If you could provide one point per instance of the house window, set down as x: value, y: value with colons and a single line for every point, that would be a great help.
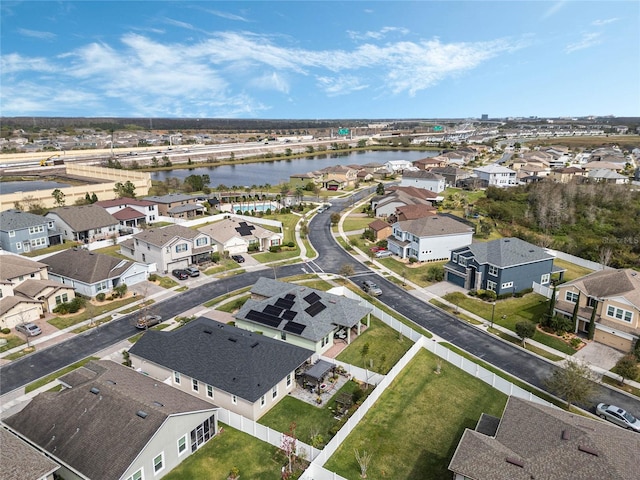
x: 194, y: 385
x: 275, y: 241
x: 571, y: 297
x: 34, y: 230
x: 507, y: 285
x: 288, y: 380
x: 491, y: 285
x: 274, y: 391
x: 283, y: 335
x: 263, y: 401
x: 136, y: 476
x: 50, y: 225
x: 454, y: 257
x: 158, y: 463
x: 544, y: 279
x: 176, y: 378
x: 209, y: 391
x: 37, y: 242
x: 202, y: 241
x: 619, y: 314
x: 181, y: 247
x: 182, y: 445
x: 592, y: 302
x: 18, y: 246
x: 462, y: 261
x: 12, y: 233
x: 234, y: 399
x: 493, y: 270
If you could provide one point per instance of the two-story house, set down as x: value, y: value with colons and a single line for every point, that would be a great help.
x: 21, y: 232
x: 177, y: 205
x: 394, y: 197
x: 497, y: 175
x: 131, y: 212
x: 608, y: 298
x: 430, y: 162
x: 339, y: 177
x: 424, y: 179
x: 506, y: 265
x: 84, y: 223
x: 170, y: 247
x: 429, y: 238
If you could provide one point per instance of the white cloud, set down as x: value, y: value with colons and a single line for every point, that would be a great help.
x: 341, y: 85
x: 227, y: 15
x: 37, y: 34
x: 588, y: 40
x: 14, y: 63
x: 553, y: 9
x: 271, y: 81
x: 378, y: 35
x: 600, y: 23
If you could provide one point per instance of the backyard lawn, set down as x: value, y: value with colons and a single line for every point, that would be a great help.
x: 415, y: 273
x: 91, y: 312
x: 573, y: 271
x: 415, y: 426
x: 289, y: 222
x: 353, y: 222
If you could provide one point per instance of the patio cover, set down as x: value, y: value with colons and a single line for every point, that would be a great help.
x: 319, y: 370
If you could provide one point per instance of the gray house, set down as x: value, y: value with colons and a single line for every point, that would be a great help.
x: 507, y: 265
x: 21, y: 232
x: 246, y: 373
x: 84, y: 223
x: 113, y: 423
x: 423, y: 179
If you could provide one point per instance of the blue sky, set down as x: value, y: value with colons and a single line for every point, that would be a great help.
x: 330, y: 59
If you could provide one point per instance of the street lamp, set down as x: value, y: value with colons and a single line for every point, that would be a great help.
x: 493, y: 313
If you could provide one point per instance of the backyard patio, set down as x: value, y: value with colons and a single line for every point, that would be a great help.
x: 318, y: 383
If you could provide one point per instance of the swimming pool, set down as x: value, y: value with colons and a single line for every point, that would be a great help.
x: 257, y: 206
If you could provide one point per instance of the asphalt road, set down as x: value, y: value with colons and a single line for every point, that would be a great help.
x: 332, y: 258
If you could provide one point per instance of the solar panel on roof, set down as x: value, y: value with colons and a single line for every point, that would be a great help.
x: 273, y: 310
x: 245, y: 229
x: 263, y: 318
x: 290, y: 296
x: 294, y: 327
x: 284, y: 303
x: 315, y: 308
x: 289, y: 314
x: 313, y: 297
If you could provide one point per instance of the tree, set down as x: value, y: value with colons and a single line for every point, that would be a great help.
x: 576, y: 309
x: 94, y: 197
x: 126, y: 190
x: 364, y: 351
x: 363, y: 459
x: 552, y: 306
x: 574, y: 382
x: 435, y: 273
x: 592, y: 322
x: 289, y: 446
x: 346, y: 270
x: 380, y: 189
x: 335, y: 218
x: 58, y: 196
x: 524, y: 330
x: 627, y: 368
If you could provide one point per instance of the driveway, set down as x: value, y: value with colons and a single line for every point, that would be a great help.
x: 440, y: 289
x: 599, y: 355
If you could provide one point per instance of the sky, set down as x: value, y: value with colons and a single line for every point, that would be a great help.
x: 320, y: 60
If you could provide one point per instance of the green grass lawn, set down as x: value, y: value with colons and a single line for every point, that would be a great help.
x: 13, y: 341
x: 137, y: 336
x: 114, y: 251
x: 87, y: 313
x: 317, y: 284
x: 573, y: 271
x: 386, y: 347
x: 256, y: 460
x: 416, y: 273
x: 234, y: 305
x: 415, y: 426
x: 284, y: 254
x: 224, y: 265
x: 353, y: 222
x: 55, y: 248
x: 50, y: 378
x: 167, y: 282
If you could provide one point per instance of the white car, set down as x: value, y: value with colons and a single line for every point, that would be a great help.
x: 29, y: 329
x: 618, y: 416
x: 383, y: 254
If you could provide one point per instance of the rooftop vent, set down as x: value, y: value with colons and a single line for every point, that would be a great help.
x: 254, y: 345
x: 588, y: 450
x: 142, y: 414
x: 111, y: 382
x: 234, y: 340
x: 566, y: 435
x: 208, y: 332
x: 95, y: 390
x: 158, y: 404
x: 515, y: 461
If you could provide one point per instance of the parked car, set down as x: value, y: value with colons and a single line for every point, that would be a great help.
x: 371, y: 288
x: 238, y: 258
x: 192, y: 271
x: 147, y: 321
x: 378, y: 249
x: 618, y: 416
x: 383, y: 254
x: 29, y: 329
x: 180, y: 274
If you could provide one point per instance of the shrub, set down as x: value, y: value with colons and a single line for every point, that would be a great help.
x: 357, y: 395
x: 575, y: 342
x: 487, y: 295
x: 215, y: 257
x: 5, y: 331
x: 120, y: 291
x: 413, y: 260
x: 100, y: 297
x: 275, y: 248
x: 253, y: 247
x: 153, y: 277
x: 502, y: 296
x: 561, y: 325
x: 76, y: 304
x: 291, y: 244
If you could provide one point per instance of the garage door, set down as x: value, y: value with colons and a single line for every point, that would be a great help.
x: 180, y: 264
x: 455, y: 279
x: 135, y: 278
x: 613, y: 341
x: 237, y: 249
x: 30, y: 315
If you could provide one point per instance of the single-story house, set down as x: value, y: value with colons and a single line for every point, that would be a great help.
x: 19, y: 459
x: 300, y: 315
x: 177, y: 205
x: 395, y: 197
x: 246, y: 373
x: 430, y: 162
x: 506, y: 265
x: 21, y: 232
x: 609, y: 298
x: 84, y: 223
x: 235, y: 235
x: 381, y: 230
x: 413, y: 212
x: 113, y: 423
x: 604, y: 175
x: 534, y: 441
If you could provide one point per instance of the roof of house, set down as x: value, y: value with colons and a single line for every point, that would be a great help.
x: 434, y: 225
x: 94, y: 426
x: 164, y: 235
x: 606, y: 174
x: 543, y: 442
x: 228, y: 358
x: 229, y: 228
x: 413, y: 212
x: 124, y: 201
x: 127, y: 213
x: 21, y: 461
x: 598, y: 165
x: 32, y: 287
x: 420, y: 193
x: 303, y: 311
x: 86, y: 266
x: 609, y: 284
x: 188, y: 207
x: 84, y: 217
x: 493, y: 168
x: 7, y: 303
x: 431, y: 160
x: 506, y: 252
x: 422, y: 174
x: 14, y: 266
x: 171, y: 198
x: 17, y: 220
x: 569, y: 170
x: 378, y: 225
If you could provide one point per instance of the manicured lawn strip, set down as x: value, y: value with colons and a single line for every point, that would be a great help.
x: 233, y: 305
x: 452, y: 310
x: 413, y: 274
x: 114, y: 251
x: 222, y: 298
x: 94, y: 311
x: 144, y: 304
x: 310, y: 420
x: 50, y: 378
x: 55, y: 248
x: 311, y: 253
x: 137, y: 336
x: 284, y: 254
x: 386, y: 347
x: 167, y: 282
x: 416, y: 425
x: 13, y: 341
x: 20, y: 353
x: 317, y: 284
x: 256, y: 459
x: 626, y: 387
x: 224, y: 265
x: 356, y: 223
x: 182, y: 288
x: 573, y: 271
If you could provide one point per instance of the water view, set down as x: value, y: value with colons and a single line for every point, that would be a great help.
x: 30, y: 186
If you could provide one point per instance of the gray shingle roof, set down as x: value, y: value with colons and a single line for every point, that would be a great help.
x: 84, y: 217
x: 21, y: 461
x: 611, y: 283
x: 171, y: 198
x: 506, y: 252
x: 230, y: 228
x: 434, y: 225
x: 423, y: 174
x: 32, y: 287
x: 17, y: 220
x: 532, y: 434
x: 14, y: 266
x: 100, y: 434
x: 228, y: 358
x: 86, y: 266
x: 164, y: 235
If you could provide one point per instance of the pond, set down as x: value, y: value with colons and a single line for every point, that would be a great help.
x: 30, y: 186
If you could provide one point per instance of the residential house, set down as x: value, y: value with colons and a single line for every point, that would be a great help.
x: 381, y: 230
x: 431, y: 162
x: 497, y: 175
x: 609, y: 298
x: 84, y: 223
x: 458, y: 157
x: 300, y: 315
x: 538, y: 158
x: 506, y: 265
x: 21, y: 232
x: 303, y: 179
x: 567, y: 174
x: 614, y: 167
x: 452, y: 175
x: 177, y: 205
x: 385, y: 205
x: 429, y: 238
x: 16, y: 269
x: 607, y: 176
x: 339, y: 177
x: 534, y: 171
x: 91, y: 273
x: 49, y: 292
x: 534, y: 441
x: 423, y: 179
x: 131, y: 212
x: 364, y: 176
x: 20, y: 460
x: 113, y: 423
x: 398, y: 166
x: 373, y: 168
x: 235, y: 236
x: 246, y: 373
x: 170, y: 247
x: 413, y: 212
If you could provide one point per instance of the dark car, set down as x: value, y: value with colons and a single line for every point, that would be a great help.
x: 238, y: 258
x: 147, y: 321
x: 180, y: 274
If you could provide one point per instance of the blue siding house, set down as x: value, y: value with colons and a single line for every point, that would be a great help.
x: 21, y: 232
x: 507, y: 265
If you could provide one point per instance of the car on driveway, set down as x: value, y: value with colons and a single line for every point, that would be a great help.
x: 238, y: 258
x: 29, y: 329
x: 147, y: 321
x: 377, y: 249
x: 180, y: 274
x: 383, y: 254
x: 618, y: 416
x: 371, y: 288
x: 192, y: 271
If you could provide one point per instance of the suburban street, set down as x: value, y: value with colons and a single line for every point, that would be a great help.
x: 331, y: 257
